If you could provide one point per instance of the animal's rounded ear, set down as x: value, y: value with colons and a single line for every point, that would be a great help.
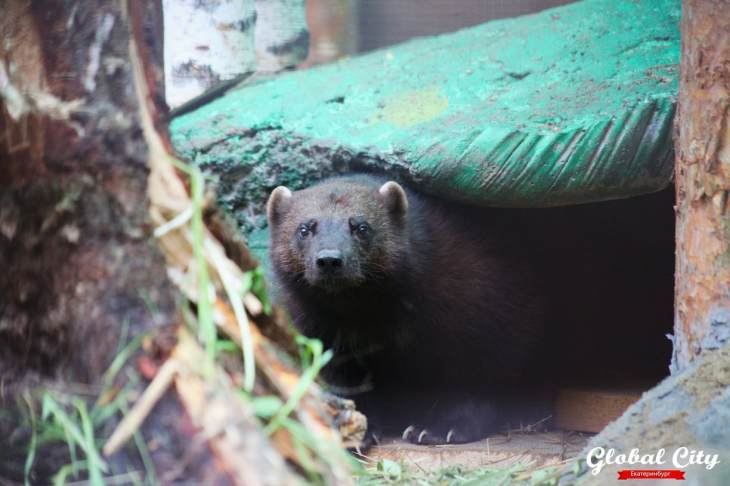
x: 394, y: 198
x: 278, y: 203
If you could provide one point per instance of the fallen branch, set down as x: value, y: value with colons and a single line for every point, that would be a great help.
x: 198, y: 264
x: 133, y: 420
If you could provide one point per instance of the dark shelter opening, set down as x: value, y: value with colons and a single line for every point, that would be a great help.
x: 606, y: 274
x: 609, y: 277
x: 457, y: 320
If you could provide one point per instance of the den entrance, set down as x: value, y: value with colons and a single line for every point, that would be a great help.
x: 604, y: 237
x: 610, y: 270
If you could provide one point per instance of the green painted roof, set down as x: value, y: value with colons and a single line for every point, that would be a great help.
x: 574, y: 104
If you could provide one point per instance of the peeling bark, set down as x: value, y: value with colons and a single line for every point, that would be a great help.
x: 215, y: 43
x: 79, y: 264
x: 89, y: 172
x: 702, y: 313
x: 77, y: 256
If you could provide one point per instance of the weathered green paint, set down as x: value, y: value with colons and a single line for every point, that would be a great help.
x: 570, y: 105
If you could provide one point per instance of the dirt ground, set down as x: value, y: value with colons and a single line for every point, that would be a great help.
x: 498, y: 451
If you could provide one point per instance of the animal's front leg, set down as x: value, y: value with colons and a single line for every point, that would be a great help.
x: 452, y: 420
x: 424, y: 418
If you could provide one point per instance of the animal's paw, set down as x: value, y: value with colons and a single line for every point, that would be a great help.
x: 454, y: 423
x: 371, y: 439
x: 417, y: 434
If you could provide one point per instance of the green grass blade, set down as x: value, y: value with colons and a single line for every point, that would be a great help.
x: 71, y: 451
x: 95, y: 463
x: 59, y: 479
x: 206, y: 327
x: 30, y: 458
x: 52, y: 408
x: 319, y: 359
x: 236, y: 300
x: 120, y: 359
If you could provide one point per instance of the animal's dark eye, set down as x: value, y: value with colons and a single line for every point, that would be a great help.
x: 359, y: 227
x: 304, y: 231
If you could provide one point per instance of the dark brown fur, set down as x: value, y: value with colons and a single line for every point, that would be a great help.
x: 432, y: 312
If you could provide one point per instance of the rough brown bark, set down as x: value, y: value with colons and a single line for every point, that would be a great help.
x: 702, y: 315
x: 78, y: 260
x: 687, y: 409
x: 77, y: 256
x: 88, y: 172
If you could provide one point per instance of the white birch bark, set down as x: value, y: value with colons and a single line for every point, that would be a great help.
x: 206, y: 42
x: 282, y: 38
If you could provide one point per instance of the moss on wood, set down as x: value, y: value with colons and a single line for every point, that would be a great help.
x: 570, y: 105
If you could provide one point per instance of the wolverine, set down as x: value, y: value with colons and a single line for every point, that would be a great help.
x: 431, y: 307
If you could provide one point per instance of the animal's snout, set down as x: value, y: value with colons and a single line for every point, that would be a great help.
x: 329, y: 261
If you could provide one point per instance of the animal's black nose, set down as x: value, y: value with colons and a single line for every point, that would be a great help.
x: 329, y: 261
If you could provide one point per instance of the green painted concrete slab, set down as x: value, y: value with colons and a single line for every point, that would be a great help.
x: 574, y: 104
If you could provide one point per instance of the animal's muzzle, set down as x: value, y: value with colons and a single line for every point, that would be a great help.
x: 330, y: 262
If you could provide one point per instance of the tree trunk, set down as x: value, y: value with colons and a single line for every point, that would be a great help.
x: 333, y: 30
x: 77, y: 256
x: 702, y: 312
x: 206, y: 43
x: 80, y: 268
x: 88, y: 173
x: 282, y: 37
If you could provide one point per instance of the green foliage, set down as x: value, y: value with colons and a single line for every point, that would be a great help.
x: 266, y: 406
x: 122, y: 355
x: 66, y: 417
x: 269, y: 409
x: 255, y: 282
x: 389, y: 469
x: 207, y: 332
x: 76, y: 426
x: 33, y: 443
x: 313, y: 360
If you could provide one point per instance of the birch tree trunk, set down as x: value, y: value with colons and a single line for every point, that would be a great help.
x: 282, y: 38
x: 702, y: 312
x: 206, y: 43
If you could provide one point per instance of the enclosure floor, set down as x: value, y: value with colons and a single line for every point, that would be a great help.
x: 498, y: 451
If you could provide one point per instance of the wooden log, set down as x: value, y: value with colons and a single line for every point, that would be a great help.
x: 702, y: 311
x: 79, y: 261
x: 81, y: 125
x: 571, y: 105
x: 689, y: 409
x: 590, y: 410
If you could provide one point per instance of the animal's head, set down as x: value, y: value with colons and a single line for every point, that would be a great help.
x: 338, y: 234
